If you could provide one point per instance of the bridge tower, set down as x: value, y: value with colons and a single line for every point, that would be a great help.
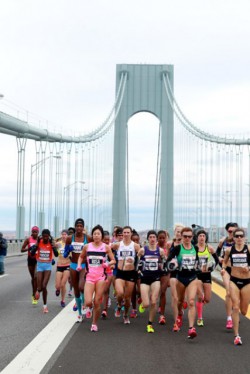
x: 145, y: 92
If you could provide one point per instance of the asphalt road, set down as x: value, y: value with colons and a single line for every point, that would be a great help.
x: 20, y: 321
x: 118, y: 347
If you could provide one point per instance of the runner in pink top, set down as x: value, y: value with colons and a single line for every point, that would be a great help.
x: 94, y: 255
x: 96, y: 263
x: 31, y: 261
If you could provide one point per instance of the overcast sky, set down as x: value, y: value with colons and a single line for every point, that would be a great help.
x: 58, y: 61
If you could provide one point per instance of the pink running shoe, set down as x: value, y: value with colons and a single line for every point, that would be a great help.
x: 162, y: 320
x: 89, y: 314
x: 133, y: 313
x: 179, y: 320
x: 104, y: 314
x: 94, y: 328
x: 229, y: 324
x: 192, y: 333
x: 237, y: 340
x: 118, y: 312
x: 184, y: 304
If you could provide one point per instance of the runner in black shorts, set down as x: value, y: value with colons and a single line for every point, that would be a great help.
x: 150, y: 258
x: 31, y: 262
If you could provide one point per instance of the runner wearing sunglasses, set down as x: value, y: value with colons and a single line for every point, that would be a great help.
x: 239, y: 255
x: 226, y: 243
x: 187, y: 258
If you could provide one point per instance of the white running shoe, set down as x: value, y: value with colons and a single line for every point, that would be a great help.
x: 126, y: 320
x: 79, y: 318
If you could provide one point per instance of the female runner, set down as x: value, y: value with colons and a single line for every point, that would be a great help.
x: 31, y: 261
x: 74, y: 245
x: 62, y: 269
x: 150, y: 274
x: 239, y: 254
x: 94, y: 255
x: 44, y: 250
x: 126, y: 275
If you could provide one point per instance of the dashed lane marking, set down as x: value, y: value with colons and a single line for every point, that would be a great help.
x: 37, y: 353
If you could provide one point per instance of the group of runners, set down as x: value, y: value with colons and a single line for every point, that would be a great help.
x: 140, y: 275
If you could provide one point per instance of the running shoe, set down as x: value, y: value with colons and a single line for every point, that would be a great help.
x: 176, y: 328
x: 200, y: 322
x: 63, y: 304
x: 237, y: 340
x: 126, y: 320
x: 142, y: 310
x: 133, y: 313
x: 94, y: 328
x: 104, y: 314
x: 192, y: 333
x: 88, y: 313
x: 75, y: 307
x: 37, y: 295
x: 229, y: 324
x: 150, y: 328
x: 57, y: 292
x: 162, y: 320
x: 70, y: 293
x: 184, y: 304
x: 179, y: 320
x: 34, y: 301
x: 79, y: 318
x: 109, y: 302
x: 84, y: 311
x: 45, y: 309
x: 118, y: 312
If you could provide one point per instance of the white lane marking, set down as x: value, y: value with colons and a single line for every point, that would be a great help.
x: 36, y: 354
x: 4, y: 275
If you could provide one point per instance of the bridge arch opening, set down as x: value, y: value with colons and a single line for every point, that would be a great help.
x: 143, y: 133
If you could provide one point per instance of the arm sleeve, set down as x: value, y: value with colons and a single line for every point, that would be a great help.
x: 174, y: 253
x: 68, y: 248
x: 216, y: 259
x: 55, y: 251
x: 218, y: 250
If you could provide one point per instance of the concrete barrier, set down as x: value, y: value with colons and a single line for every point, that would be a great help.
x: 14, y: 247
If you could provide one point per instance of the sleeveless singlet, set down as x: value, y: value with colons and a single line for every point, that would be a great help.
x: 126, y: 252
x: 204, y: 257
x: 96, y: 257
x: 77, y: 246
x: 44, y: 252
x: 151, y: 262
x: 240, y: 258
x: 225, y: 246
x: 187, y: 259
x: 61, y: 246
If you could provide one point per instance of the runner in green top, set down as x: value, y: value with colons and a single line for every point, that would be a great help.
x: 187, y: 258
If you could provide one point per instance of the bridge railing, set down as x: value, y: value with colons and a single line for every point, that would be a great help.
x: 14, y: 246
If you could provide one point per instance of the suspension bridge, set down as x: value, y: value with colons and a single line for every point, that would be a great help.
x: 200, y: 177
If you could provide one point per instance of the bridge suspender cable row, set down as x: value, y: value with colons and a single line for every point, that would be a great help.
x: 200, y: 177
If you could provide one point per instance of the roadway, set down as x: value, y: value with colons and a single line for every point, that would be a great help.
x: 30, y: 341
